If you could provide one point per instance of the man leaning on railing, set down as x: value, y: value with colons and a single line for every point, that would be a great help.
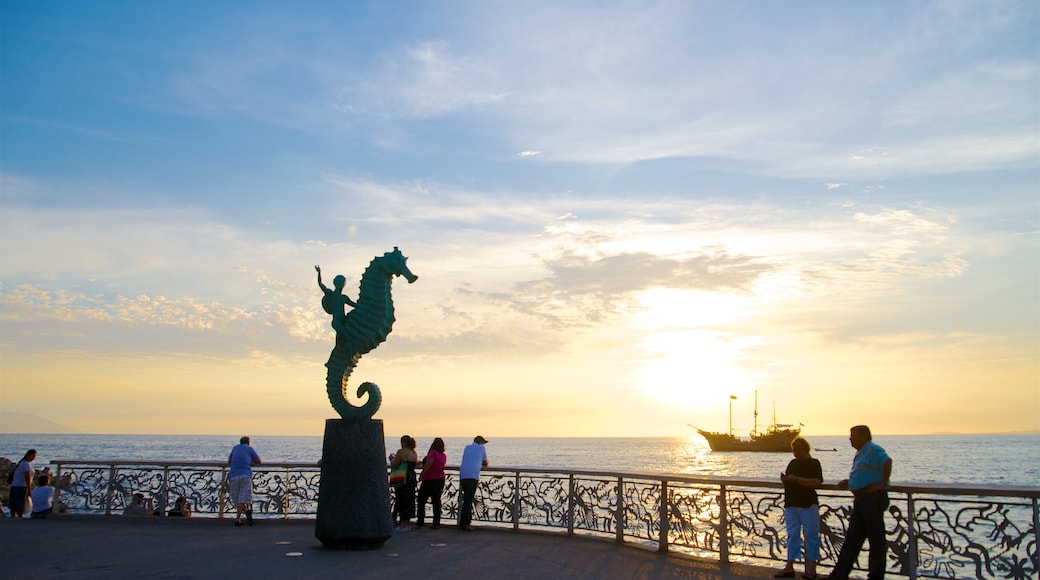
x: 868, y: 482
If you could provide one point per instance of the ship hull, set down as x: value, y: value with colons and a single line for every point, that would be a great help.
x: 774, y: 442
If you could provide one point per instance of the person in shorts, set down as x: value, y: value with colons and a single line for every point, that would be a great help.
x: 240, y: 479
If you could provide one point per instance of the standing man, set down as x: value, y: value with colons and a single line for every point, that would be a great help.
x: 868, y: 482
x: 240, y: 479
x: 474, y: 458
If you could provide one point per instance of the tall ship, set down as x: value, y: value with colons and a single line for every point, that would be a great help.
x: 776, y: 438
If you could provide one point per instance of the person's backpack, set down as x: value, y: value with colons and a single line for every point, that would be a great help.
x: 10, y: 474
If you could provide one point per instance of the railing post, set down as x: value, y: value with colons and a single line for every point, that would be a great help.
x: 111, y: 489
x: 570, y: 505
x: 285, y: 503
x: 57, y: 491
x: 911, y: 535
x: 220, y: 493
x: 516, y: 501
x: 1036, y: 530
x: 164, y: 492
x: 723, y: 526
x: 662, y: 513
x: 620, y: 515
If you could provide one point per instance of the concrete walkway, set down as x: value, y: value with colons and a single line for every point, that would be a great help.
x: 85, y: 547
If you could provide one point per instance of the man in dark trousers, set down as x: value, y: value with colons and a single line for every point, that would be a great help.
x: 868, y: 482
x: 474, y: 458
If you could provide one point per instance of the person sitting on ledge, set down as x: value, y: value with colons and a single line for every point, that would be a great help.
x: 181, y: 509
x: 140, y: 507
x: 42, y: 497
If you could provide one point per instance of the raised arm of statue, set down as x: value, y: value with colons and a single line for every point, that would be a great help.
x: 320, y: 285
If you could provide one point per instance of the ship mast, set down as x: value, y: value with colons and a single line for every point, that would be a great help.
x: 755, y: 432
x: 731, y: 397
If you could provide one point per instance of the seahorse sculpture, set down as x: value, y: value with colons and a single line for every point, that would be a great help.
x: 361, y: 330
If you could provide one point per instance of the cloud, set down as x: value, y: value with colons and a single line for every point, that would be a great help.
x: 617, y: 84
x: 521, y: 274
x: 581, y: 290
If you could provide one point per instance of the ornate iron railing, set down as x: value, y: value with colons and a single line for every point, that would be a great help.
x: 934, y: 531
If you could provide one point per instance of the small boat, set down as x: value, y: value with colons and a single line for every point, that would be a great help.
x: 776, y: 438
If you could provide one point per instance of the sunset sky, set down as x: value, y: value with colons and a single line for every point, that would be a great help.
x: 620, y: 213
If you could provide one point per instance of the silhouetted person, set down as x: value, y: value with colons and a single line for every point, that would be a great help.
x: 42, y: 497
x: 868, y: 482
x: 474, y: 458
x: 431, y: 483
x: 404, y: 495
x: 240, y: 479
x: 181, y: 509
x: 140, y: 507
x: 21, y: 484
x: 802, y: 509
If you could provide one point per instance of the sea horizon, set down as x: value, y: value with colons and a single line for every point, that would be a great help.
x: 976, y: 459
x: 735, y: 432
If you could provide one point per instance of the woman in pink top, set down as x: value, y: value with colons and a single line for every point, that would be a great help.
x: 432, y: 483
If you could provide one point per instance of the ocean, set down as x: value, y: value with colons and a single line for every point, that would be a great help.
x: 1003, y: 460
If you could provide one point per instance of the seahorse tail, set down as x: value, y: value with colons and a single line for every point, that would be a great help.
x: 375, y: 399
x: 341, y: 364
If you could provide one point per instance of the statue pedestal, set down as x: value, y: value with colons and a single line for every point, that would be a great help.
x: 353, y: 495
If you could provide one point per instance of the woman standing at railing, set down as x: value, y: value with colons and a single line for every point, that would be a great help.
x: 432, y: 484
x: 21, y: 483
x: 802, y: 509
x: 404, y: 495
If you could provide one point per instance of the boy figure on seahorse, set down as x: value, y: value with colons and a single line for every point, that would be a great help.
x: 335, y: 303
x: 362, y: 329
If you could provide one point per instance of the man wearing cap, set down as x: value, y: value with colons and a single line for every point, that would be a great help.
x: 474, y: 458
x: 868, y: 482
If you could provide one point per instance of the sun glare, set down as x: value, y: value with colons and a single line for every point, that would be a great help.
x: 689, y: 363
x: 694, y: 368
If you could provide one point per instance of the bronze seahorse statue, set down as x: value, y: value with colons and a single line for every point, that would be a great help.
x: 362, y: 329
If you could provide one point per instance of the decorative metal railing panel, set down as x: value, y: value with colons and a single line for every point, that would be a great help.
x: 935, y: 531
x: 693, y: 516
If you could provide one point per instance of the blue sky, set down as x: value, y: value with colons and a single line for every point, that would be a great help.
x: 621, y: 213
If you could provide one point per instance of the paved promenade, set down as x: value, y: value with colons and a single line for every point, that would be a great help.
x: 85, y: 547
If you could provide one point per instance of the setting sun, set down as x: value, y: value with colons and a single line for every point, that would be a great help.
x: 694, y: 368
x: 689, y: 364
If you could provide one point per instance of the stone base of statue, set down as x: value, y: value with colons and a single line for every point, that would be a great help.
x: 353, y: 495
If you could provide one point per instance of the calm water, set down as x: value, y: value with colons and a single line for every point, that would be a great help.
x: 961, y: 459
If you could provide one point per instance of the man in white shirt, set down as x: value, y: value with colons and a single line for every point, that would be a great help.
x: 42, y: 497
x: 474, y: 458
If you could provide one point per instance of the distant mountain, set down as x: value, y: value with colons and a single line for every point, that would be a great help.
x: 11, y: 422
